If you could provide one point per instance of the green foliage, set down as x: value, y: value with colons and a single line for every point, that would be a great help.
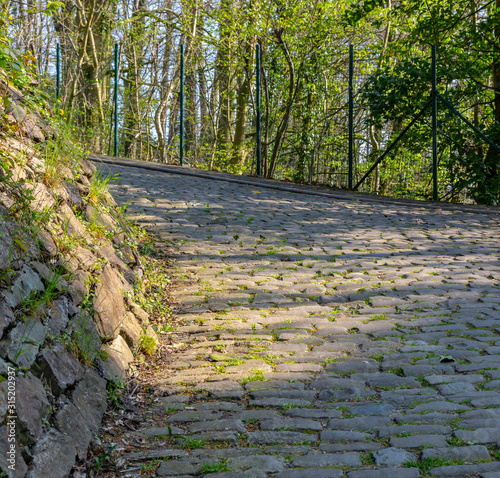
x: 115, y: 390
x: 148, y: 345
x: 189, y: 443
x: 35, y: 301
x: 99, y: 186
x: 429, y: 463
x: 220, y: 466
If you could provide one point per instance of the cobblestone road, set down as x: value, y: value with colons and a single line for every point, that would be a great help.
x: 326, y: 338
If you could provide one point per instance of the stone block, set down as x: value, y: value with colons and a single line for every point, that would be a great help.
x: 59, y: 368
x: 74, y: 199
x: 101, y: 218
x: 79, y: 288
x: 108, y: 303
x: 89, y: 397
x: 71, y: 422
x: 7, y: 251
x: 462, y: 453
x: 53, y: 456
x: 11, y: 457
x: 46, y: 241
x: 6, y: 317
x: 26, y: 282
x: 32, y: 406
x: 139, y: 313
x: 109, y: 253
x: 328, y: 459
x: 88, y: 167
x: 131, y: 331
x: 43, y: 198
x: 23, y: 342
x: 284, y: 437
x: 117, y: 364
x: 58, y: 315
x: 393, y: 457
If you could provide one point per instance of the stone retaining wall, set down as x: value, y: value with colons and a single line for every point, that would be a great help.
x: 68, y: 321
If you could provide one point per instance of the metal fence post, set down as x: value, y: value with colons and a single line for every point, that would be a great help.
x: 257, y: 101
x: 181, y: 119
x: 58, y: 70
x: 117, y: 62
x: 434, y: 127
x: 351, y: 115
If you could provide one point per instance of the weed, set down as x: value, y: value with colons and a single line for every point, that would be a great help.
x: 258, y: 376
x: 428, y: 463
x: 99, y: 187
x: 192, y: 444
x: 150, y: 466
x: 220, y: 466
x: 114, y: 392
x: 148, y: 345
x: 367, y: 459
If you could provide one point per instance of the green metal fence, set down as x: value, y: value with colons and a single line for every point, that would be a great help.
x: 341, y: 167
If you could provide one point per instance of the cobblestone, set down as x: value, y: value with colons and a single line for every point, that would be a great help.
x: 353, y: 327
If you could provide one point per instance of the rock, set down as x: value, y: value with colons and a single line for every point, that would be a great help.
x: 4, y: 404
x: 59, y: 368
x: 154, y: 454
x: 131, y: 331
x: 130, y: 277
x: 89, y: 398
x: 47, y: 243
x: 380, y: 410
x: 58, y: 315
x: 139, y: 313
x: 16, y: 113
x: 109, y: 307
x: 49, y: 276
x: 66, y: 173
x: 94, y: 216
x: 23, y: 342
x: 43, y: 198
x: 84, y: 332
x: 26, y: 282
x: 32, y: 406
x: 82, y: 189
x: 60, y: 193
x: 128, y: 255
x: 70, y: 421
x: 150, y: 332
x: 257, y: 463
x: 71, y: 226
x: 87, y: 167
x: 284, y: 437
x: 118, y: 361
x: 69, y: 262
x: 74, y: 199
x: 6, y: 317
x: 126, y: 287
x: 328, y: 459
x: 32, y: 129
x: 466, y: 454
x: 4, y: 368
x: 393, y: 456
x: 7, y: 251
x: 11, y: 457
x: 80, y: 419
x: 53, y: 456
x: 86, y: 258
x: 118, y: 239
x: 109, y: 253
x: 79, y: 287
